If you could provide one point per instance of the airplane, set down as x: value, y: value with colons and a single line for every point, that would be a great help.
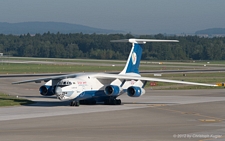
x: 92, y: 88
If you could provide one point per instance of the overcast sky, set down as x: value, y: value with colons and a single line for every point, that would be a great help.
x: 145, y: 16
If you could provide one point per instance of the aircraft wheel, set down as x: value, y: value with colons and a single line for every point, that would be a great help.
x: 83, y: 102
x: 118, y: 102
x: 77, y: 103
x: 72, y: 103
x: 114, y: 102
x: 93, y: 102
x: 106, y: 102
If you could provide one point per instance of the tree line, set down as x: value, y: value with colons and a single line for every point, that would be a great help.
x: 98, y: 46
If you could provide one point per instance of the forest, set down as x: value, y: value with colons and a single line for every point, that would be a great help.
x: 98, y: 46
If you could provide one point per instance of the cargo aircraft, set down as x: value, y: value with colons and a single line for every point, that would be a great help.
x: 92, y: 88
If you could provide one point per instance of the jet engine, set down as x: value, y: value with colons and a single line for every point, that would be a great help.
x: 134, y: 91
x: 46, y: 90
x: 112, y: 90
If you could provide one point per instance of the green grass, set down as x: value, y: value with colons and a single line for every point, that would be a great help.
x: 12, y: 68
x: 62, y: 60
x: 17, y: 68
x: 6, y: 100
x: 164, y: 62
x: 93, y: 65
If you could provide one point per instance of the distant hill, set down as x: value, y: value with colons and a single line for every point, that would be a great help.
x: 211, y: 31
x: 53, y: 27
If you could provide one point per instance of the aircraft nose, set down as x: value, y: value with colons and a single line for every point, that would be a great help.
x: 58, y: 91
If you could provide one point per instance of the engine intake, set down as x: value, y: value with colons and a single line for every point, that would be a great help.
x: 46, y: 90
x: 112, y: 90
x: 134, y: 91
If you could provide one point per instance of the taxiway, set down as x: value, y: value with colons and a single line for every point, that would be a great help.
x: 158, y: 115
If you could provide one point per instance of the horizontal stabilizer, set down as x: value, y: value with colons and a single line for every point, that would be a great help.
x: 142, y: 41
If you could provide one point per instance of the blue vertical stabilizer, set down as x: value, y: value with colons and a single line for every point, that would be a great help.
x: 133, y: 61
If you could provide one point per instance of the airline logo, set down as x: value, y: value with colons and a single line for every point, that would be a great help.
x: 134, y: 58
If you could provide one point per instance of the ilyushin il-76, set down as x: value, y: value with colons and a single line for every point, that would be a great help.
x: 92, y: 88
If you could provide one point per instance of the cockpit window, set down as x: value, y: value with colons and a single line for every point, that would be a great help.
x: 64, y: 83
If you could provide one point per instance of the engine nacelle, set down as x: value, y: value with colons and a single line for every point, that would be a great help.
x: 134, y: 91
x: 112, y: 90
x: 46, y: 90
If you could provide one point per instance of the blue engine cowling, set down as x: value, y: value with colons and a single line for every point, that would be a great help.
x: 112, y: 90
x: 134, y: 91
x: 46, y: 90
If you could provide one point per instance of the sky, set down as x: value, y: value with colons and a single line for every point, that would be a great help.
x: 134, y: 16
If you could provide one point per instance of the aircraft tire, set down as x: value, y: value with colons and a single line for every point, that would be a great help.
x: 114, y: 102
x: 118, y: 102
x: 84, y: 102
x: 107, y: 102
x: 93, y: 102
x: 77, y: 103
x: 72, y: 103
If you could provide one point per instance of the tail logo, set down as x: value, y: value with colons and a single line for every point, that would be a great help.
x: 134, y: 58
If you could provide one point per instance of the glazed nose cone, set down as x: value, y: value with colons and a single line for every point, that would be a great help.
x: 58, y: 91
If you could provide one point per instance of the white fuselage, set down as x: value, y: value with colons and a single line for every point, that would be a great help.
x: 74, y: 87
x: 71, y: 88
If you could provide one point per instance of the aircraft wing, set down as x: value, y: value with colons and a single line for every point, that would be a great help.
x: 46, y: 79
x: 113, y: 76
x: 129, y: 77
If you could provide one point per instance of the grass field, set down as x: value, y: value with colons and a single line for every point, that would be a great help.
x: 6, y: 100
x: 62, y: 60
x: 168, y: 62
x: 16, y: 68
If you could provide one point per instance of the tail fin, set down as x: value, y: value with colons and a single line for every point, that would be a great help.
x: 133, y: 61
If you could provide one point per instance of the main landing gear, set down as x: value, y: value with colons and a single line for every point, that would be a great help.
x: 75, y: 103
x: 84, y: 102
x: 88, y: 102
x: 112, y: 102
x: 93, y: 102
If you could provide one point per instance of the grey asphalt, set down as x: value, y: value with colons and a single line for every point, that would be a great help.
x: 159, y: 115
